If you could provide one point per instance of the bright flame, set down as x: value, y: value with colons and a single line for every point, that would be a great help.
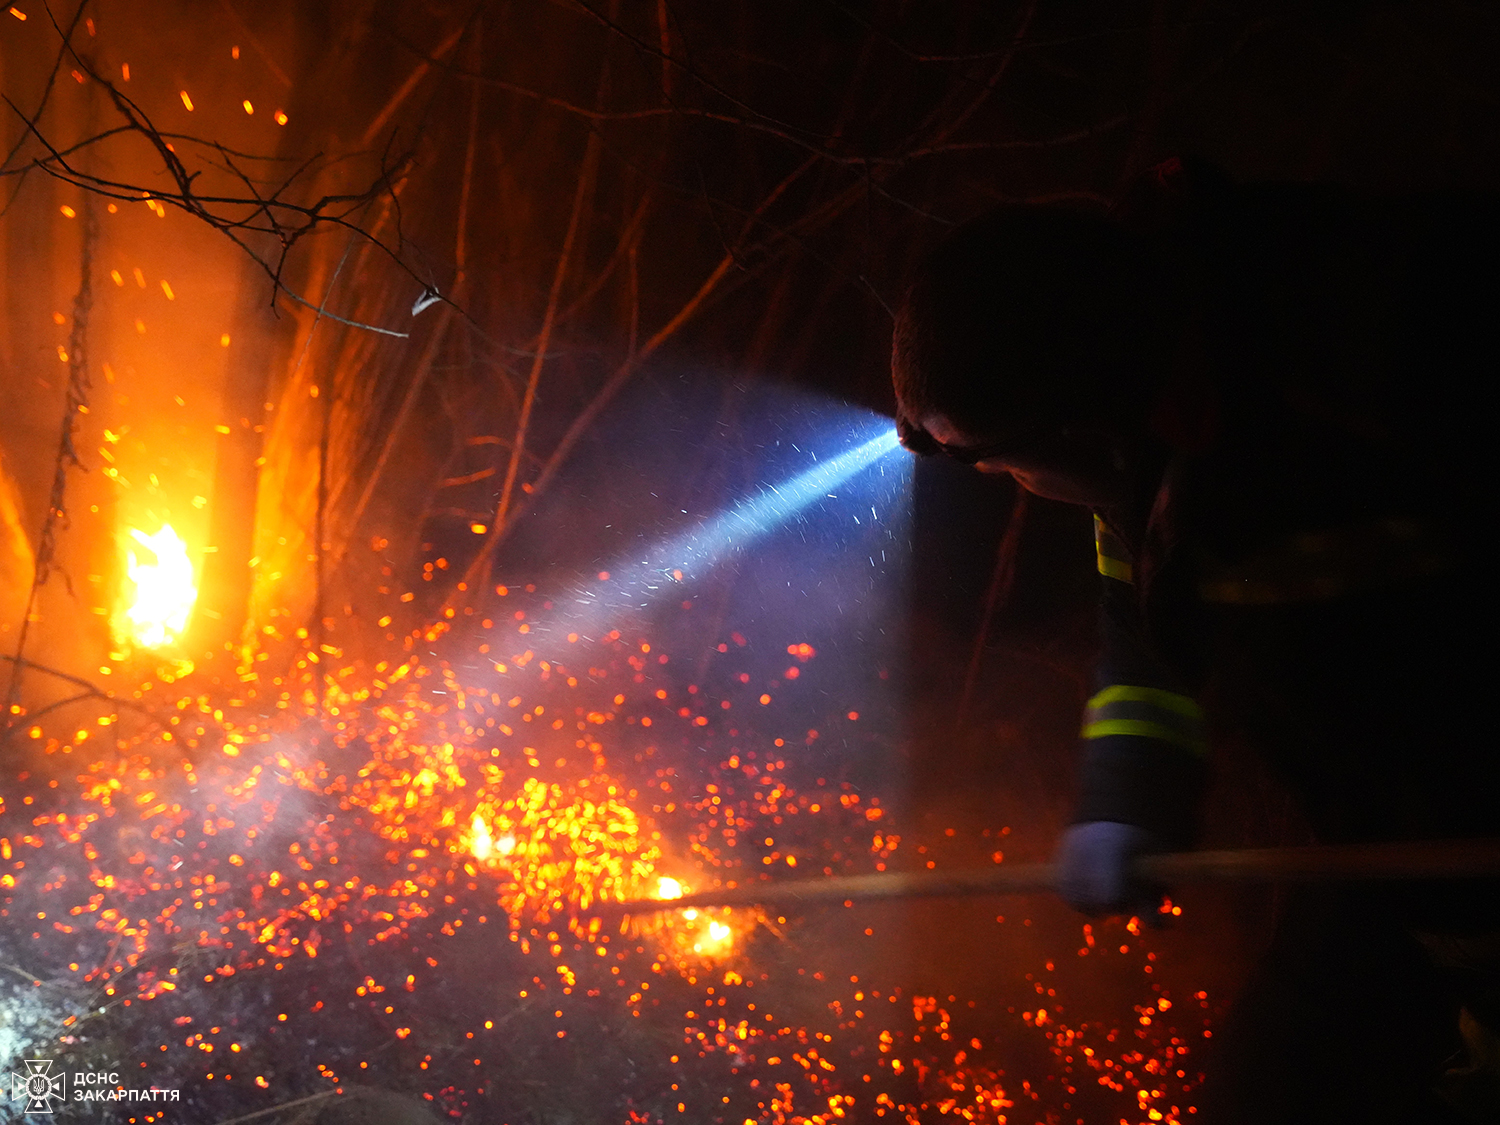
x: 164, y: 589
x: 668, y: 888
x: 715, y: 941
x: 697, y: 932
x: 484, y: 844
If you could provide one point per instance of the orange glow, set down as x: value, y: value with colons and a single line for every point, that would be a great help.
x: 164, y: 590
x: 667, y: 887
x: 490, y: 812
x: 483, y: 845
x: 707, y: 938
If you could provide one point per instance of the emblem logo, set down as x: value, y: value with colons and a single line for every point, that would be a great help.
x: 38, y: 1085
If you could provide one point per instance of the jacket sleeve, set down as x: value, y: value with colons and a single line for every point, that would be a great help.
x: 1144, y: 746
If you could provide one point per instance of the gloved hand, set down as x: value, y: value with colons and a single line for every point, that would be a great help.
x: 1094, y: 876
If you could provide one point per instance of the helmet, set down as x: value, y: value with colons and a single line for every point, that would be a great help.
x: 1026, y: 316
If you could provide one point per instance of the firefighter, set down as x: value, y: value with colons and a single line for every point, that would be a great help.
x: 1273, y: 398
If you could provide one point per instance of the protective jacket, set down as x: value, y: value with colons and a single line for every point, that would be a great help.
x: 1309, y: 571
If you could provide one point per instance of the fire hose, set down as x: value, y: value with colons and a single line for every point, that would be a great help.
x: 1395, y: 861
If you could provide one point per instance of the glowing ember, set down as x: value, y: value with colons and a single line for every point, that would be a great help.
x: 711, y: 940
x: 388, y: 826
x: 483, y: 845
x: 668, y: 888
x: 708, y: 938
x: 164, y: 590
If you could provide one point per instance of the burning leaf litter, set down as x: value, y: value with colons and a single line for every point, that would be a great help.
x: 397, y: 864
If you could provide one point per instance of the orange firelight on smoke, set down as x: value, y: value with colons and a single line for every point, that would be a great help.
x: 161, y: 589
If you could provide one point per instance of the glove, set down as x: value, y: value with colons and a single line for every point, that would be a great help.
x: 1093, y: 864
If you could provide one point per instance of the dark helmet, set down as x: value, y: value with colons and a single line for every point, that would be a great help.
x: 1027, y: 316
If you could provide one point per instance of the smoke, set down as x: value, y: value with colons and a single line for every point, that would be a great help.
x: 820, y: 522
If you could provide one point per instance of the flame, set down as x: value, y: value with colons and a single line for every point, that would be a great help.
x: 714, y: 940
x: 668, y: 888
x: 483, y: 845
x: 164, y: 590
x: 705, y: 936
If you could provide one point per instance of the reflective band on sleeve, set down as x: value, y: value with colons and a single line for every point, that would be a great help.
x: 1114, y: 559
x: 1146, y: 712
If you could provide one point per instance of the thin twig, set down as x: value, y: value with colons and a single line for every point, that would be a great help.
x: 585, y: 185
x: 408, y: 402
x: 412, y: 80
x: 186, y: 197
x: 90, y: 691
x: 478, y: 571
x: 265, y: 56
x: 51, y: 83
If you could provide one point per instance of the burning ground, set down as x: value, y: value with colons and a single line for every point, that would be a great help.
x: 384, y: 877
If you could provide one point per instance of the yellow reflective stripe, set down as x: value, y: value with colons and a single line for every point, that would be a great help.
x: 1143, y: 728
x: 1114, y: 559
x: 1130, y: 693
x: 1146, y: 712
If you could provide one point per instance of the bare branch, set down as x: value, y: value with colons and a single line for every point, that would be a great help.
x: 272, y: 215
